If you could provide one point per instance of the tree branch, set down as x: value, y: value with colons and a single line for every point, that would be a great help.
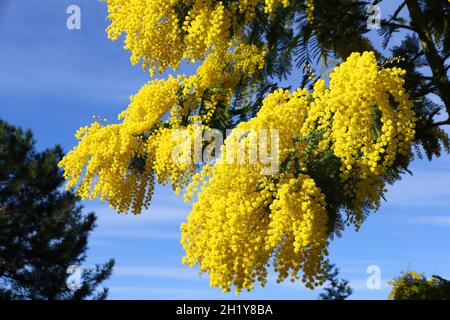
x: 436, y: 124
x: 436, y: 62
x: 400, y: 26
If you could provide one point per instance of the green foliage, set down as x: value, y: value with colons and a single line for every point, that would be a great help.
x: 336, y: 289
x: 42, y: 229
x: 338, y: 29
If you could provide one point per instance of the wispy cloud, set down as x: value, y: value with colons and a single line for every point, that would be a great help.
x: 50, y: 60
x: 161, y: 222
x: 361, y: 285
x: 99, y: 243
x: 166, y: 209
x: 165, y: 272
x: 161, y: 215
x: 135, y: 233
x: 147, y: 289
x: 429, y: 188
x: 443, y: 221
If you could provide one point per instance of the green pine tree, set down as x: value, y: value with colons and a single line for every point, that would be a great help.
x: 42, y: 229
x: 335, y: 289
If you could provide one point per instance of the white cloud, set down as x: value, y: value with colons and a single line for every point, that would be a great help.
x: 361, y: 285
x: 443, y: 221
x: 146, y: 289
x: 166, y: 209
x: 162, y: 221
x: 135, y: 233
x: 99, y: 243
x: 157, y: 272
x: 428, y: 188
x: 167, y: 215
x: 150, y: 292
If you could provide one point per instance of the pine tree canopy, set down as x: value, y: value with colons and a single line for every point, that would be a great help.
x: 43, y: 231
x: 336, y: 289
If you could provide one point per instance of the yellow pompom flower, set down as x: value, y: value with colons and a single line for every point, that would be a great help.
x: 243, y: 219
x: 162, y: 33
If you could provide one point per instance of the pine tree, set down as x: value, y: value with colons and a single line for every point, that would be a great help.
x: 42, y: 229
x: 336, y: 289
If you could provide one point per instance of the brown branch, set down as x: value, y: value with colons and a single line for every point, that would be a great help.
x: 400, y: 26
x: 435, y: 124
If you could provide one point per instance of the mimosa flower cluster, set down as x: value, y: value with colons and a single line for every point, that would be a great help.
x: 414, y: 286
x: 118, y: 163
x: 161, y: 33
x: 244, y: 221
x: 366, y: 118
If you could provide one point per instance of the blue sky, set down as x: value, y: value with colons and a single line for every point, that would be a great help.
x: 53, y: 80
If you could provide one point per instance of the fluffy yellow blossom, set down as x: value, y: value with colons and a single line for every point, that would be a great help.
x: 153, y: 31
x: 109, y: 171
x: 272, y: 4
x: 247, y: 215
x: 310, y: 10
x: 236, y: 224
x: 358, y: 120
x: 161, y: 33
x: 249, y: 58
x: 177, y: 171
x: 243, y: 219
x: 118, y: 158
x: 411, y: 285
